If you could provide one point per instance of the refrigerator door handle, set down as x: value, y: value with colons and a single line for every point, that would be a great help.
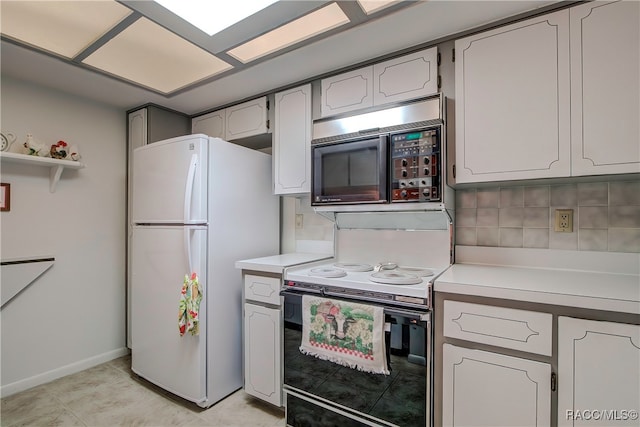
x: 187, y: 249
x: 188, y: 191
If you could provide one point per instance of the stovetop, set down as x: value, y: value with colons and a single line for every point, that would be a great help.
x: 333, y: 277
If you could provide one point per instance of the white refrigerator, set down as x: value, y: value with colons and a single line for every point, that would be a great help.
x: 199, y: 205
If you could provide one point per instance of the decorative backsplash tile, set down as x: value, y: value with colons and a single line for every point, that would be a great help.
x: 606, y: 216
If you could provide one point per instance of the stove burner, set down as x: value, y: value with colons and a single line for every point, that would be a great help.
x: 353, y: 266
x: 416, y: 271
x: 393, y: 277
x: 327, y: 272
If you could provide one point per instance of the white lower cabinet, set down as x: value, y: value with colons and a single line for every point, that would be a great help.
x: 262, y: 361
x: 482, y: 388
x: 598, y: 373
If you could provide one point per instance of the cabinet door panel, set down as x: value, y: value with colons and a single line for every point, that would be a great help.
x: 512, y: 101
x: 247, y: 119
x: 292, y: 141
x: 598, y: 369
x: 605, y: 104
x: 262, y: 374
x: 489, y: 389
x: 408, y: 77
x: 212, y: 124
x: 347, y: 92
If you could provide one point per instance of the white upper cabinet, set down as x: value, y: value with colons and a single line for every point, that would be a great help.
x: 212, y: 124
x: 238, y: 121
x: 247, y: 119
x: 605, y: 87
x: 292, y: 141
x: 513, y: 101
x: 400, y: 79
x: 407, y: 77
x: 347, y: 92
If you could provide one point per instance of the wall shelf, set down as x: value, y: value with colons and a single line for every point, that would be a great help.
x: 56, y: 166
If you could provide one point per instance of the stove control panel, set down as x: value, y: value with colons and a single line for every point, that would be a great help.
x: 415, y: 166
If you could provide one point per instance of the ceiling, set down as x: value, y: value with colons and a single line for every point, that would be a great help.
x: 403, y: 26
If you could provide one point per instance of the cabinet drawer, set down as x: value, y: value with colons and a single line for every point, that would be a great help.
x: 504, y: 327
x: 262, y: 289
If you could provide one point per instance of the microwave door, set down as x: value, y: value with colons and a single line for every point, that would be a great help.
x: 353, y: 171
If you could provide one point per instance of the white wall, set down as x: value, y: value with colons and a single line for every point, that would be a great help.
x: 73, y: 316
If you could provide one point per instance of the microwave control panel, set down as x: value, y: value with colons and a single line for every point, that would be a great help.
x: 415, y: 166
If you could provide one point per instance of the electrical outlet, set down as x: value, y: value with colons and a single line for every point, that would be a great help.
x: 564, y: 220
x: 299, y: 218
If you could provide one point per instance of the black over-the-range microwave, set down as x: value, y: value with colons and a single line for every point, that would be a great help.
x: 386, y: 156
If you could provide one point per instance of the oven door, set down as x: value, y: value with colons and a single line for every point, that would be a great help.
x: 321, y: 393
x: 353, y: 171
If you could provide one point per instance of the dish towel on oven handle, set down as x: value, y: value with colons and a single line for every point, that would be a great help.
x: 344, y: 332
x: 189, y: 305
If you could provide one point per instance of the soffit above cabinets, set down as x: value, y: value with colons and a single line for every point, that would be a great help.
x: 127, y: 53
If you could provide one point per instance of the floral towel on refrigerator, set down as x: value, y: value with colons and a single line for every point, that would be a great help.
x: 189, y: 307
x: 343, y: 332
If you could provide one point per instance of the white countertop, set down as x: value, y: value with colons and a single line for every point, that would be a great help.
x: 599, y: 290
x: 277, y: 263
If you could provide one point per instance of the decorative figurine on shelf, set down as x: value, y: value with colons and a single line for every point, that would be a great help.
x: 33, y: 148
x: 73, y: 153
x: 59, y: 150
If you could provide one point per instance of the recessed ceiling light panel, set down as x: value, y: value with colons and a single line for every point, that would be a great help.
x: 63, y: 27
x: 305, y: 27
x: 152, y: 56
x: 373, y: 6
x: 214, y: 16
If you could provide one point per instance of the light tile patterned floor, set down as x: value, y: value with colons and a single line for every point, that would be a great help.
x: 110, y: 395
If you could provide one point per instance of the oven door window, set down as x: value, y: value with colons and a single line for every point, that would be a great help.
x: 350, y: 172
x: 399, y: 398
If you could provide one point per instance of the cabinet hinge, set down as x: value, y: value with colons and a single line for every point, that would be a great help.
x: 453, y: 55
x: 439, y: 81
x: 439, y: 58
x: 554, y: 381
x: 454, y: 171
x: 267, y: 104
x: 268, y: 124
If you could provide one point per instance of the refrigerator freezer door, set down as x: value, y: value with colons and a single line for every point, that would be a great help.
x: 159, y: 354
x: 170, y: 181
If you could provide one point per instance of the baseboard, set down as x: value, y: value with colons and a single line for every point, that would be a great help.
x: 36, y: 380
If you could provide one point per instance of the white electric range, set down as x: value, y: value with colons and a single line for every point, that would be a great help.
x: 385, y: 282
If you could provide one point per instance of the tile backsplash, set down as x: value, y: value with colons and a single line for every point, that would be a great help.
x: 606, y: 216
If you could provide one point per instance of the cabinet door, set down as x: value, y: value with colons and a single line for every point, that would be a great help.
x: 598, y: 370
x: 346, y: 92
x: 605, y: 87
x: 247, y: 119
x: 512, y: 101
x: 489, y: 389
x: 292, y: 141
x: 212, y: 124
x: 408, y: 77
x: 262, y: 362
